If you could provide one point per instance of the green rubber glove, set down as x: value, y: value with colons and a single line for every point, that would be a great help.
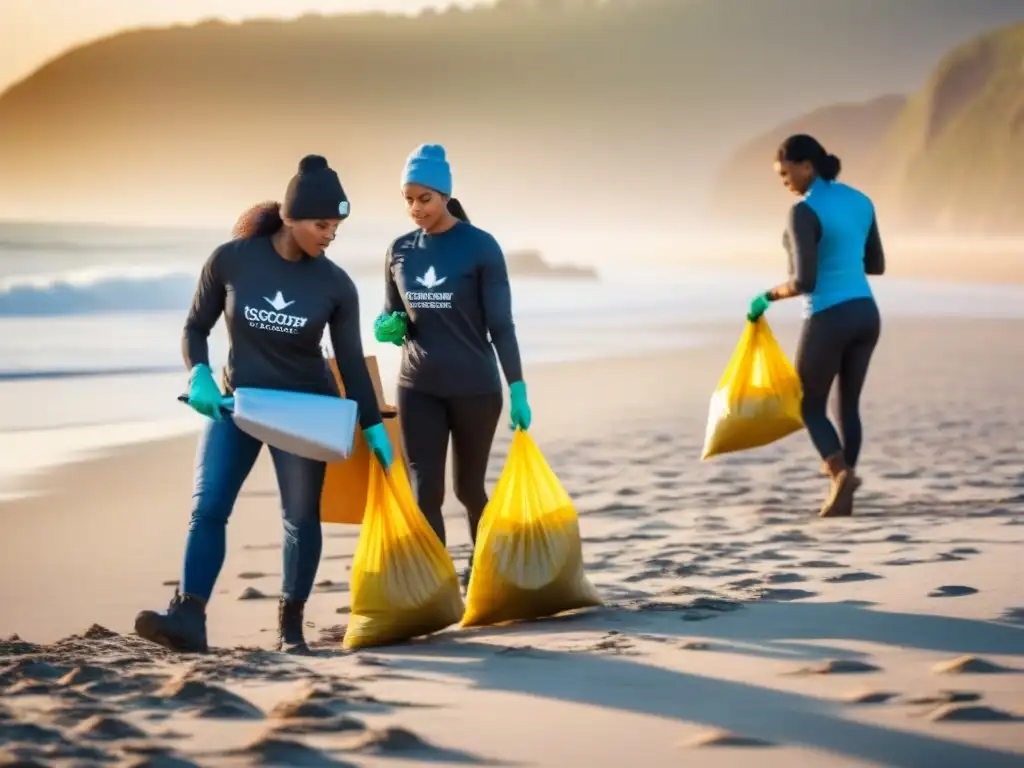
x: 391, y: 328
x: 377, y: 439
x: 520, y: 415
x: 758, y: 306
x: 203, y: 393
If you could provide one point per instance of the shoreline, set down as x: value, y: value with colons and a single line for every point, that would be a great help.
x: 37, y: 457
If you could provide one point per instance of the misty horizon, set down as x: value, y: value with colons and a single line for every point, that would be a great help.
x: 670, y: 141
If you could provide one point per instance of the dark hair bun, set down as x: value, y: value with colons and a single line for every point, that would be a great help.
x: 830, y: 166
x: 312, y: 163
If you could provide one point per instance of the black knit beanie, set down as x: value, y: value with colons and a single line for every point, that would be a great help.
x: 315, y: 192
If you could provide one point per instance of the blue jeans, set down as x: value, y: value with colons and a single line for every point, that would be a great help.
x: 224, y: 458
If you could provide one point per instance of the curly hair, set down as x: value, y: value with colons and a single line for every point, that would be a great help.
x: 260, y: 220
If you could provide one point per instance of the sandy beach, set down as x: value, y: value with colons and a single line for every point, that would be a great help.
x: 739, y: 629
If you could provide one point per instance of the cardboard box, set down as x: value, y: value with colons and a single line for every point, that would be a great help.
x: 343, y: 498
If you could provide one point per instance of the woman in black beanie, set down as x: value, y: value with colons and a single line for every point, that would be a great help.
x: 277, y: 296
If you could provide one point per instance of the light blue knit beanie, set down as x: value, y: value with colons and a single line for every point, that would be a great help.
x: 428, y: 167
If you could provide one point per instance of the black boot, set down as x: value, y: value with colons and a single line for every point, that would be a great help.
x: 182, y: 627
x: 289, y: 623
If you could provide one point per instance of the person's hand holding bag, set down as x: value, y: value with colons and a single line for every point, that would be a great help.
x: 379, y: 444
x: 520, y: 414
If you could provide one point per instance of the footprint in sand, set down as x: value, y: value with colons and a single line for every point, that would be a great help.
x: 953, y: 590
x: 397, y: 742
x: 785, y: 577
x: 306, y: 726
x: 783, y: 595
x: 614, y: 643
x: 769, y: 554
x: 838, y: 667
x: 853, y: 576
x: 744, y: 584
x: 969, y: 665
x: 303, y: 715
x: 107, y: 728
x: 1013, y: 616
x: 204, y: 699
x: 726, y: 739
x: 793, y: 536
x: 869, y: 697
x: 29, y: 688
x: 331, y: 586
x: 269, y: 750
x: 729, y: 572
x: 251, y: 593
x: 900, y: 561
x: 69, y: 717
x: 161, y: 760
x: 964, y: 713
x: 821, y: 564
x: 943, y: 697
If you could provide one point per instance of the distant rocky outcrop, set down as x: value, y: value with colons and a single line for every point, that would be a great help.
x: 530, y: 263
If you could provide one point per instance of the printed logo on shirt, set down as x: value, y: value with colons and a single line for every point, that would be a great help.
x: 430, y: 298
x: 274, y: 319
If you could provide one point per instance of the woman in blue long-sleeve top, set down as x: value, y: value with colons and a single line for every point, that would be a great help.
x: 833, y: 242
x: 447, y: 301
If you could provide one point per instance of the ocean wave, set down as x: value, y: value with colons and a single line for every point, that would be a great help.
x: 91, y: 291
x: 68, y: 246
x: 88, y: 372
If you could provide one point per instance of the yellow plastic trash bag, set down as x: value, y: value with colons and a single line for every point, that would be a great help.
x: 528, y: 560
x: 758, y: 397
x: 404, y: 583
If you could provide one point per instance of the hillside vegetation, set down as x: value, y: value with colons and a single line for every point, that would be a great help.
x: 550, y: 108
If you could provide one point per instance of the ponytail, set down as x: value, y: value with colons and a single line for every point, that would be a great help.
x: 828, y: 167
x: 262, y: 220
x: 455, y: 209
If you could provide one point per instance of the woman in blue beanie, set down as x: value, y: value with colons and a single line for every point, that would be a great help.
x: 277, y: 293
x: 833, y: 242
x: 448, y: 304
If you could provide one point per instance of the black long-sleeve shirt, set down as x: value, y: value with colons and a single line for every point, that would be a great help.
x: 276, y: 312
x: 454, y: 287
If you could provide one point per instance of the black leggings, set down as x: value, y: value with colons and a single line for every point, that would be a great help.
x: 837, y: 342
x: 427, y: 421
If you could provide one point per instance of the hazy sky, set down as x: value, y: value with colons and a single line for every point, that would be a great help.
x: 33, y: 31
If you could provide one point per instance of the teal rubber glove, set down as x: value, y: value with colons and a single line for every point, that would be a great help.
x: 203, y: 393
x: 758, y: 306
x: 391, y: 328
x: 377, y: 438
x: 520, y: 415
